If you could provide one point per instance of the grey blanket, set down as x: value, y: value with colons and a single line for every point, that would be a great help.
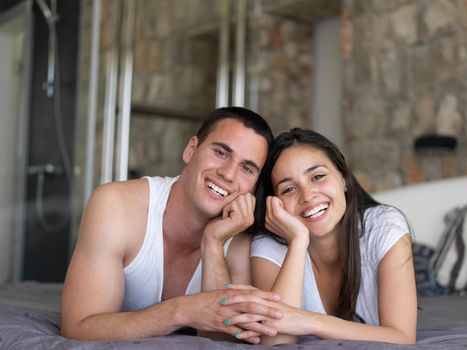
x: 442, y: 325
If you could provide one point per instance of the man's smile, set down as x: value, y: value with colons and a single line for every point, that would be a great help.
x: 217, y: 190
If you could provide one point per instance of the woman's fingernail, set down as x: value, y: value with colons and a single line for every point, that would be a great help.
x: 228, y: 285
x: 223, y: 301
x: 238, y: 335
x: 277, y: 314
x: 227, y: 321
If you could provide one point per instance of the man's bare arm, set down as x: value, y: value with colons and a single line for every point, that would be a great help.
x: 94, y: 286
x: 236, y: 217
x: 219, y: 271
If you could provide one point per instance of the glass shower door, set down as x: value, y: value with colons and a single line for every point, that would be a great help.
x: 15, y: 37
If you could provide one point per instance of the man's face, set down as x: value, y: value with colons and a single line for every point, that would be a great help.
x: 227, y: 163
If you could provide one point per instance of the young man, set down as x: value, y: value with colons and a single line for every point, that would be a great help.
x: 136, y: 270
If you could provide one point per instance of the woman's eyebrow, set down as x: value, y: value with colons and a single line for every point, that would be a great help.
x: 306, y: 171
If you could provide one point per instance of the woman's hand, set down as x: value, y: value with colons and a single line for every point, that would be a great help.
x: 294, y: 321
x: 252, y: 325
x: 284, y: 224
x: 289, y: 320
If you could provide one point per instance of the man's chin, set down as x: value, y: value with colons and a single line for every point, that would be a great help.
x: 212, y: 211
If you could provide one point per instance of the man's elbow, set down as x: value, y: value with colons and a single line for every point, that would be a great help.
x: 407, y: 338
x: 73, y: 330
x: 69, y: 331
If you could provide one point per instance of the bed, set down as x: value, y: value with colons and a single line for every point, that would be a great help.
x: 30, y: 319
x: 442, y: 325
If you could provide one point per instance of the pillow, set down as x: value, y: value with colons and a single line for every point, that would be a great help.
x: 450, y: 260
x: 424, y: 278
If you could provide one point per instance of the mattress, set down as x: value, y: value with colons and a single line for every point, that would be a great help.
x: 30, y: 319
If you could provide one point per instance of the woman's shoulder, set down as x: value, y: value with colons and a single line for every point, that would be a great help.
x: 264, y: 246
x: 383, y: 214
x: 383, y: 226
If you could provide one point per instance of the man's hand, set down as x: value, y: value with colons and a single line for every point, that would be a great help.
x: 237, y: 216
x: 215, y: 311
x: 292, y: 321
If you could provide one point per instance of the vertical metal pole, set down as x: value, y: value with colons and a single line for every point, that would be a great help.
x: 22, y: 150
x: 92, y: 104
x: 111, y: 98
x: 123, y: 140
x: 222, y: 91
x: 239, y: 82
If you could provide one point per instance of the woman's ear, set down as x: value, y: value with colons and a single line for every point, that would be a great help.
x: 190, y: 149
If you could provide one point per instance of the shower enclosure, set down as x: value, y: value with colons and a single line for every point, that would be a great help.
x: 37, y: 92
x: 15, y: 76
x: 149, y: 72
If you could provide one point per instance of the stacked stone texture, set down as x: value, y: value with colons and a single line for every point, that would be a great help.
x: 176, y: 48
x: 405, y: 75
x: 279, y: 64
x: 405, y: 65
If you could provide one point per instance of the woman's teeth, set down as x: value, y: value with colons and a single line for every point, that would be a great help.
x: 315, y: 212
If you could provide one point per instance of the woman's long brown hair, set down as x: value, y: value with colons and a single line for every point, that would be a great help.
x: 352, y: 225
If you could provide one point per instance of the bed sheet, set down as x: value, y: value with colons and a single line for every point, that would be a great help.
x: 442, y: 325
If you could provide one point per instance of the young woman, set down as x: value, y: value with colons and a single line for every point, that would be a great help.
x: 341, y: 261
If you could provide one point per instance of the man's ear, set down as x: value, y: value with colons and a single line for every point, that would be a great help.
x: 190, y: 149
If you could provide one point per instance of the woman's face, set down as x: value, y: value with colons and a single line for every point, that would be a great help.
x: 311, y: 188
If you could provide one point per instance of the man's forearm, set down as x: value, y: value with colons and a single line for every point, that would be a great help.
x: 215, y: 273
x: 159, y: 319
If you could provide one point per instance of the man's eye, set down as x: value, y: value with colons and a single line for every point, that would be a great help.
x: 248, y: 169
x: 220, y: 153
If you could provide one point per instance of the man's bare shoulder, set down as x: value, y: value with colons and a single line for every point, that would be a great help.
x: 117, y: 211
x: 125, y: 193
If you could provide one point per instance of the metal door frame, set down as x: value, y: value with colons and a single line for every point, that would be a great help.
x: 24, y: 9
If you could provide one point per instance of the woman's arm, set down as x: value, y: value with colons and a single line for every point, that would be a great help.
x: 397, y: 302
x: 287, y: 281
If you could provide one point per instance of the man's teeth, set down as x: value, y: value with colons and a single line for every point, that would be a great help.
x: 217, y: 189
x: 315, y: 212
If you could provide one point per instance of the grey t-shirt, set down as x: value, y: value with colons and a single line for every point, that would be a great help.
x: 384, y: 226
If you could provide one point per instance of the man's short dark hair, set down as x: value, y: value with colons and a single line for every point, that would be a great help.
x: 247, y: 117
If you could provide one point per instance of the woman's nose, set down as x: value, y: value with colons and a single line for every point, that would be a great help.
x: 308, y: 193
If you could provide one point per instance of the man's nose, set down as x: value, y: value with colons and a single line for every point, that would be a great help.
x: 228, y: 171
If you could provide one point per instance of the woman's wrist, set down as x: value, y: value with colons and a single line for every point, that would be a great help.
x: 314, y: 323
x: 299, y: 240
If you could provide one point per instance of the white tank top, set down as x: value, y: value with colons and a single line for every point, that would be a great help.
x: 144, y: 276
x: 384, y: 227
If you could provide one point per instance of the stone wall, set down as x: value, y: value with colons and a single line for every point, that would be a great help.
x: 176, y: 48
x: 405, y: 75
x: 279, y: 67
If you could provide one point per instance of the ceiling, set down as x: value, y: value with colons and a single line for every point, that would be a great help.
x: 303, y: 10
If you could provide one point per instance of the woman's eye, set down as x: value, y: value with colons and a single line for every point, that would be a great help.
x: 318, y: 177
x: 287, y: 190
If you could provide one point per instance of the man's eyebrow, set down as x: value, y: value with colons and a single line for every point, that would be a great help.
x: 228, y: 149
x: 308, y: 170
x: 253, y: 164
x: 224, y: 146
